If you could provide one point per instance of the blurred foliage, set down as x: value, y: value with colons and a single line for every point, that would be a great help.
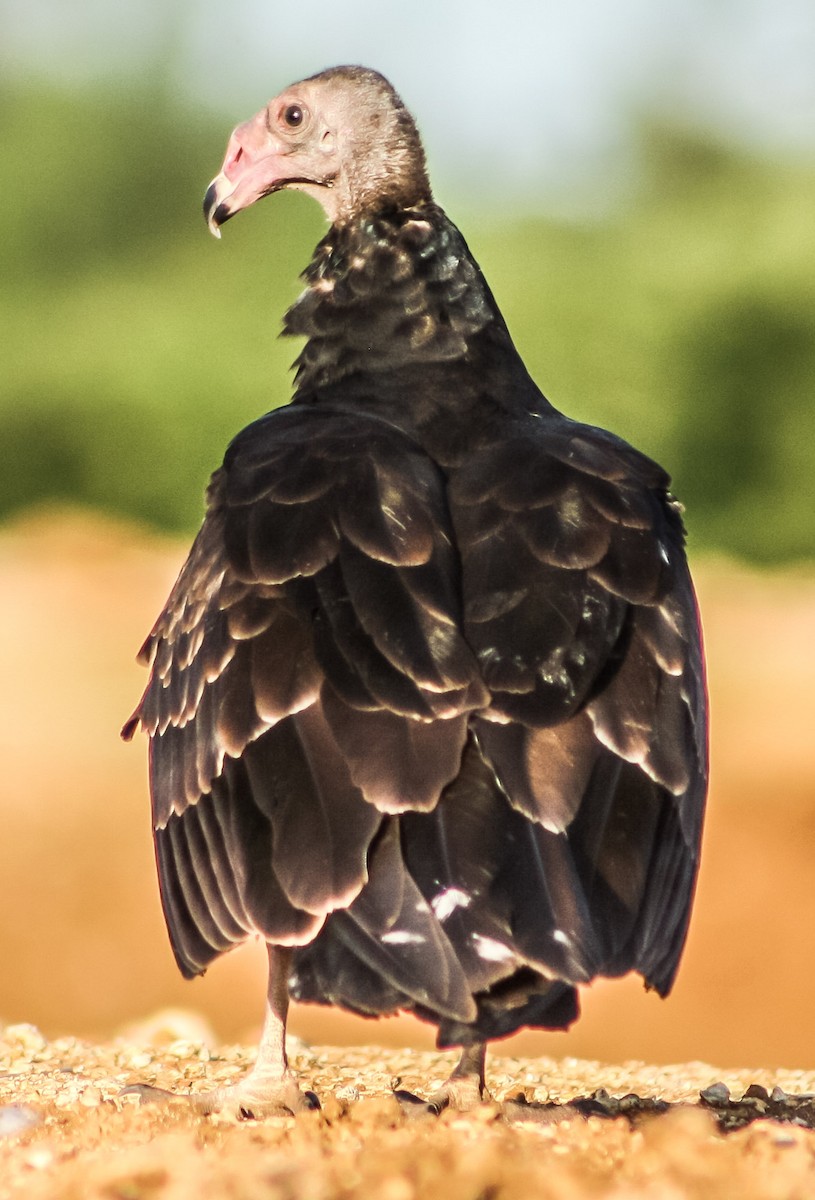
x: 134, y: 346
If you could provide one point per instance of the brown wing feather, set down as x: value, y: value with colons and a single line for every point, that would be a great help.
x: 580, y: 609
x: 300, y: 624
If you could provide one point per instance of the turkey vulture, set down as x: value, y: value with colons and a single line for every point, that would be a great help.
x: 426, y: 704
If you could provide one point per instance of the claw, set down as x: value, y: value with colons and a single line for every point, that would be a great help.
x: 414, y: 1106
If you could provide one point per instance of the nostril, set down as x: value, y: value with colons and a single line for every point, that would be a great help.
x: 232, y: 161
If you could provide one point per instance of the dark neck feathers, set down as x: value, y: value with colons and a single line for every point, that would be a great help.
x: 395, y: 289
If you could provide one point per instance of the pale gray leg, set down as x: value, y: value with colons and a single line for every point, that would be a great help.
x: 270, y: 1086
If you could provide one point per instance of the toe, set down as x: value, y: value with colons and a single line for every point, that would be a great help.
x: 414, y: 1106
x: 249, y: 1101
x: 461, y: 1094
x: 246, y: 1100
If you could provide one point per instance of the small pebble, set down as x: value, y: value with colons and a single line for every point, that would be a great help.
x: 186, y: 1050
x: 140, y: 1060
x: 26, y: 1036
x: 717, y: 1093
x: 17, y: 1118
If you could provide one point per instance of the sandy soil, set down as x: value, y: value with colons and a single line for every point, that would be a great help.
x: 67, y: 1134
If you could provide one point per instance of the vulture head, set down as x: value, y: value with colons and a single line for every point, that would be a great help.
x: 343, y: 136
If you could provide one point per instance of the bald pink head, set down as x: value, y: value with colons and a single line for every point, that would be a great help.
x: 343, y: 136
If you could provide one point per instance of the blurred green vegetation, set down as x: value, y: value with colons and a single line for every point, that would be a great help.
x: 134, y: 346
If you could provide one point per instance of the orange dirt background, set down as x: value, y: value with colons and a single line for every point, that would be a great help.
x: 82, y: 944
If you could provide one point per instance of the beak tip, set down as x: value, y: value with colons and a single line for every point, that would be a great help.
x: 212, y: 209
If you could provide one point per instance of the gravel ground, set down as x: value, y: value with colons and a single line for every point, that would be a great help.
x: 567, y: 1128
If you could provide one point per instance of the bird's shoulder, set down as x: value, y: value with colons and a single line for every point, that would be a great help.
x: 580, y: 499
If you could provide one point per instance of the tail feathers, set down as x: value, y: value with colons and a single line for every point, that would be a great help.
x: 454, y: 854
x: 526, y: 999
x: 505, y: 889
x: 551, y: 921
x: 461, y: 970
x: 473, y: 917
x: 392, y: 932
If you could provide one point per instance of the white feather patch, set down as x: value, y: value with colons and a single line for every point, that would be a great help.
x: 448, y: 901
x: 402, y: 937
x: 491, y: 950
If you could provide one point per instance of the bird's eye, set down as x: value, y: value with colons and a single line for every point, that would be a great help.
x: 293, y: 116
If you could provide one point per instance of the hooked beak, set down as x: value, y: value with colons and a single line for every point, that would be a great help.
x: 258, y: 163
x: 255, y: 165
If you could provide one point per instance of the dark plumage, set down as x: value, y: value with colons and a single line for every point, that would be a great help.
x: 427, y: 705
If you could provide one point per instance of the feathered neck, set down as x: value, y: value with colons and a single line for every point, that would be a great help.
x: 387, y: 291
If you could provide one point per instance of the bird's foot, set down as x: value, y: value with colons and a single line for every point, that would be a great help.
x: 248, y: 1099
x: 461, y: 1093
